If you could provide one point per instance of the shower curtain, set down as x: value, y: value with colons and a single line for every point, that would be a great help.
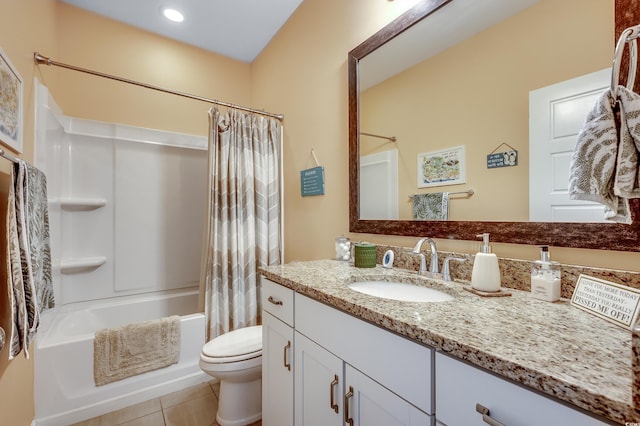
x: 243, y: 220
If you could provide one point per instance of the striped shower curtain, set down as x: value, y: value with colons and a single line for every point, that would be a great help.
x: 243, y: 220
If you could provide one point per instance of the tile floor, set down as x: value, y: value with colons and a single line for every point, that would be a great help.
x: 195, y: 406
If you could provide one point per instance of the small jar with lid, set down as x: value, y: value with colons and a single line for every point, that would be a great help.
x: 343, y: 248
x: 545, y: 277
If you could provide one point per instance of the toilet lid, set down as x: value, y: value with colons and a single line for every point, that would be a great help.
x: 243, y: 341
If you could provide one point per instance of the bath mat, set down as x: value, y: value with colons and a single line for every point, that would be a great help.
x: 134, y: 349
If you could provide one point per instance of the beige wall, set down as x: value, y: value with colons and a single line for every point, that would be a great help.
x: 301, y: 74
x: 460, y: 97
x: 89, y: 41
x: 71, y: 35
x: 25, y: 25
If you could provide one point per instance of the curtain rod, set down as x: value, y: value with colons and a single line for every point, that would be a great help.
x: 391, y: 138
x: 39, y: 59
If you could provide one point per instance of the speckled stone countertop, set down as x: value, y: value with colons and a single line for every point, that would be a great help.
x: 554, y: 348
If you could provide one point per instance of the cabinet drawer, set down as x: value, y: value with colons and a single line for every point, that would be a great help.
x: 277, y: 300
x: 402, y: 366
x: 460, y: 386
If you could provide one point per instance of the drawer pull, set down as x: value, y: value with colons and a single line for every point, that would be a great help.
x: 332, y: 385
x: 347, y: 397
x: 274, y: 301
x: 486, y: 417
x: 286, y: 362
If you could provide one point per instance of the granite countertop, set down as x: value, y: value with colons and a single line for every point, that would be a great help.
x: 554, y: 348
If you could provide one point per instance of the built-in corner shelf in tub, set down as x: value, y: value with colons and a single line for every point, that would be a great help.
x: 72, y: 266
x: 80, y: 203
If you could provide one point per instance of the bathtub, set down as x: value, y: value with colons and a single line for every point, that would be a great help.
x: 65, y: 391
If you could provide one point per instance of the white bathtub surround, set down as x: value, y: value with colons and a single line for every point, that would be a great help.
x: 29, y: 256
x: 126, y: 205
x: 243, y: 230
x: 125, y: 247
x: 134, y: 349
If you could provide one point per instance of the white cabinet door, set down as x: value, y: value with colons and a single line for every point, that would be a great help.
x: 402, y: 366
x: 318, y: 384
x: 277, y: 372
x: 368, y: 403
x: 459, y: 387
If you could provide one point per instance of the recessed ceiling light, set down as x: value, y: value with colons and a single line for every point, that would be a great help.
x: 173, y: 15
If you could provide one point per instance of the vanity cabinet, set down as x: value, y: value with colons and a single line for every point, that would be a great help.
x: 351, y: 372
x: 277, y: 354
x: 460, y: 387
x: 330, y: 392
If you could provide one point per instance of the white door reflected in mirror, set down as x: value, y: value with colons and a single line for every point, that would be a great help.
x: 556, y: 115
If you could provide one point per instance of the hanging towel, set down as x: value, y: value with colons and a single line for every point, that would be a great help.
x: 134, y: 349
x: 627, y: 183
x: 433, y: 206
x: 28, y: 254
x: 593, y: 163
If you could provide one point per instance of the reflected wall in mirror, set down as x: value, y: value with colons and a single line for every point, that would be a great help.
x: 476, y: 93
x: 472, y: 93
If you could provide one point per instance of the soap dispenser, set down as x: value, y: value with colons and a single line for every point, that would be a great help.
x: 485, y: 275
x: 545, y: 277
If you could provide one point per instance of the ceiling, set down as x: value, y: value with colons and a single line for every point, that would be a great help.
x: 239, y: 29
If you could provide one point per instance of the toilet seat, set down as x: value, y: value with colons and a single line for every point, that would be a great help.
x: 237, y: 345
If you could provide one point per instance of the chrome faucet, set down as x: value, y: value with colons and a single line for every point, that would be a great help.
x: 433, y: 264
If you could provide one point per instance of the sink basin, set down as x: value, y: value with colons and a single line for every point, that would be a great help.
x: 400, y: 291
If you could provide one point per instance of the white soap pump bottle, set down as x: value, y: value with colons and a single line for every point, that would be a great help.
x: 485, y: 275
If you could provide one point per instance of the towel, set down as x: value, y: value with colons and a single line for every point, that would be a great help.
x: 627, y: 183
x: 433, y: 206
x: 134, y: 349
x: 593, y: 162
x: 604, y: 164
x: 28, y: 255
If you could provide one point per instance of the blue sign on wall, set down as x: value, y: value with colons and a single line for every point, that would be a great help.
x: 312, y: 181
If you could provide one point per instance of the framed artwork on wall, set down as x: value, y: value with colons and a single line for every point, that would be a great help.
x: 11, y: 127
x: 443, y: 167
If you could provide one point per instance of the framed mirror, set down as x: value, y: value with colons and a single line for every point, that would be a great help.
x: 430, y: 18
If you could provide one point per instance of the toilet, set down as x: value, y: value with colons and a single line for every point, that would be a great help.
x: 235, y: 358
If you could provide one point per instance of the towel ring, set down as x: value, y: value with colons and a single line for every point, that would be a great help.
x: 629, y: 36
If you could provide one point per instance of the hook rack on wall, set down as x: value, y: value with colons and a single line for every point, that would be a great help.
x: 628, y: 37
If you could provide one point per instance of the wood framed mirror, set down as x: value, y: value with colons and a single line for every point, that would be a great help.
x: 609, y: 236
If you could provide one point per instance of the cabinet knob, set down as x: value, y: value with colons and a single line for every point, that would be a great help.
x: 486, y: 416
